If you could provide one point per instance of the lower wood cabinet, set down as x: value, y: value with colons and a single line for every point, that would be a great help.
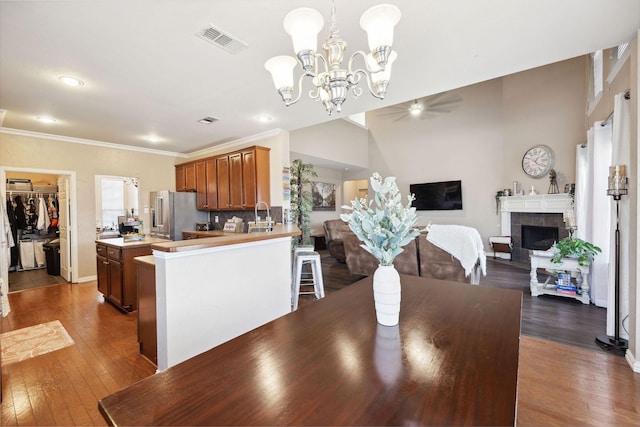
x: 117, y: 273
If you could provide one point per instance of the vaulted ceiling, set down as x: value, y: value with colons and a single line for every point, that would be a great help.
x: 147, y: 73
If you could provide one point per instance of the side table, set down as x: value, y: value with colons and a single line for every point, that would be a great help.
x: 542, y: 259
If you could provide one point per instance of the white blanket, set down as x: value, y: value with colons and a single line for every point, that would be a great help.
x: 463, y: 243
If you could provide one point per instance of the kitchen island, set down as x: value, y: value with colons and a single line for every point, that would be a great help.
x: 210, y: 290
x: 116, y: 270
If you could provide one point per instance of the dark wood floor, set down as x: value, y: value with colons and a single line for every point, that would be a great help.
x: 21, y: 280
x: 558, y: 384
x: 559, y: 319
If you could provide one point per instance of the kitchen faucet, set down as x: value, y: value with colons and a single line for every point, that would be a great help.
x: 268, y: 214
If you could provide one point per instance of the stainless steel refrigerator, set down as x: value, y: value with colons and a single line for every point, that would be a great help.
x: 174, y: 212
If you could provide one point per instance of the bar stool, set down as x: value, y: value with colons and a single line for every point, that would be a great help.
x: 313, y: 278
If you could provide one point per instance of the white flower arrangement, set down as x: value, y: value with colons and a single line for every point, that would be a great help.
x: 389, y: 227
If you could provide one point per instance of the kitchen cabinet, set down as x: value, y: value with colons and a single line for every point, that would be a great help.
x: 116, y: 272
x: 186, y: 177
x: 206, y: 184
x: 243, y: 178
x: 222, y: 165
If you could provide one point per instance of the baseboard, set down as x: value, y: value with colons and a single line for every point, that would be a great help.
x: 601, y: 303
x: 635, y: 364
x: 87, y: 279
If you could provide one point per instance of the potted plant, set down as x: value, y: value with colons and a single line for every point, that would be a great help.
x: 384, y: 229
x: 573, y: 247
x: 301, y: 199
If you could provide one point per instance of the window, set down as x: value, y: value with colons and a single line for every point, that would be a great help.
x: 617, y: 57
x: 112, y: 201
x: 596, y: 61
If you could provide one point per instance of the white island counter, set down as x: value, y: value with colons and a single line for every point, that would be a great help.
x: 211, y: 290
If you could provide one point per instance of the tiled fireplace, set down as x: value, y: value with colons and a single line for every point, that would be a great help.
x: 540, y: 215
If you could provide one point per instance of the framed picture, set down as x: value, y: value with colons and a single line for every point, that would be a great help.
x: 324, y: 196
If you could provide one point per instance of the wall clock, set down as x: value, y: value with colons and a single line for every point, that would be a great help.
x: 538, y: 161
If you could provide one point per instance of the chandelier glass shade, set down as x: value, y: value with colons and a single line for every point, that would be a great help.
x: 330, y: 79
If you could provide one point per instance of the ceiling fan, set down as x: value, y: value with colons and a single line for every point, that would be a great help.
x: 423, y: 108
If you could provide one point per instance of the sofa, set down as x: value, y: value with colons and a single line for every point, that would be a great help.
x: 419, y: 258
x: 333, y: 232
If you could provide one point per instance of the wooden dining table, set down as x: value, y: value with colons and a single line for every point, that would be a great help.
x: 452, y: 360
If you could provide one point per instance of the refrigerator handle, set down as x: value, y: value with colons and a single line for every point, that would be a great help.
x: 156, y: 213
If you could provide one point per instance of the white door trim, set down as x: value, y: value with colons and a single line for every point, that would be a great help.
x: 73, y: 207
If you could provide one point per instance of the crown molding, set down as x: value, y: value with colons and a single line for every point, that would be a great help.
x: 216, y: 149
x: 73, y: 140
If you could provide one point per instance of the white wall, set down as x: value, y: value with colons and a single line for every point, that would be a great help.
x: 338, y: 141
x: 154, y: 170
x: 483, y: 139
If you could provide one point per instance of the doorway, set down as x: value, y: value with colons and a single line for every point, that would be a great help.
x: 67, y: 211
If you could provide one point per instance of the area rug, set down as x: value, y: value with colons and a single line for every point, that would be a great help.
x: 33, y: 341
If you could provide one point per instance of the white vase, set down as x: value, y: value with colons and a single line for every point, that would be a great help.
x: 386, y: 294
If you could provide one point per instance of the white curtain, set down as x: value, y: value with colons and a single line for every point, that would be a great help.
x: 621, y: 155
x: 592, y: 204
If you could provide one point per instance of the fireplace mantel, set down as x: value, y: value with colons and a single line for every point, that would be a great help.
x: 540, y: 203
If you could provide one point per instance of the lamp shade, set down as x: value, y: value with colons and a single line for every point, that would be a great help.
x: 303, y: 25
x: 281, y: 69
x: 376, y: 74
x: 379, y: 22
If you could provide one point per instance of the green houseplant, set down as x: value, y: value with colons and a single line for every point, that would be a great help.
x: 573, y: 247
x: 301, y: 199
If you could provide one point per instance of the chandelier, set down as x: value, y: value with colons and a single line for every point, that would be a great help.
x: 332, y: 82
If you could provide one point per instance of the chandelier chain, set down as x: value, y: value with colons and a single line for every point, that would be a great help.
x: 333, y: 29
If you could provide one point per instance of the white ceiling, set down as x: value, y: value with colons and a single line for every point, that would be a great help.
x: 145, y: 71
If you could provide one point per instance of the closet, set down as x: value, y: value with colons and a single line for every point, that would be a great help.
x: 32, y: 209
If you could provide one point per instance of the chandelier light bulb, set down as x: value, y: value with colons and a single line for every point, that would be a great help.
x: 303, y: 25
x: 281, y: 69
x: 379, y: 22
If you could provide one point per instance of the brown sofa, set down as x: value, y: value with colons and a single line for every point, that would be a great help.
x: 419, y: 258
x: 333, y: 230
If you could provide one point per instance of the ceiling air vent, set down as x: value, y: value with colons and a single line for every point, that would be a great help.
x: 223, y: 40
x: 208, y: 120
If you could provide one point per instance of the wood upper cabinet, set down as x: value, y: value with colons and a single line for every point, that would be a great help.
x: 244, y: 178
x: 232, y: 181
x: 222, y: 172
x: 206, y: 184
x: 186, y: 177
x: 236, y: 199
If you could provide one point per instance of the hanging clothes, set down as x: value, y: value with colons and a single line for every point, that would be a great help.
x: 6, y: 244
x: 14, y: 233
x: 20, y: 214
x: 43, y: 215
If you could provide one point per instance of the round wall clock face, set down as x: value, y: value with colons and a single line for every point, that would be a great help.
x: 538, y: 161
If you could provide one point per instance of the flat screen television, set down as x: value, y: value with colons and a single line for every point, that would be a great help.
x: 437, y: 196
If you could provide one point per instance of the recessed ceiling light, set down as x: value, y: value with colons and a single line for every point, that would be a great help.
x: 152, y: 138
x: 71, y: 81
x: 44, y: 119
x: 208, y: 120
x: 263, y: 118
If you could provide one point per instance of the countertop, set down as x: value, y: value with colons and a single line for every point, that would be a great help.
x: 221, y: 238
x: 119, y: 242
